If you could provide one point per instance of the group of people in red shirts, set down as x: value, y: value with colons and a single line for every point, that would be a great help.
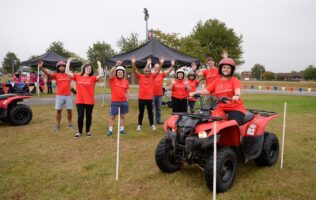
x: 219, y: 82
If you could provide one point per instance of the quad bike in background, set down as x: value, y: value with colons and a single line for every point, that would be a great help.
x: 190, y: 138
x: 13, y: 112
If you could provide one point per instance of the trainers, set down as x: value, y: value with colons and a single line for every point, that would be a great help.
x: 109, y: 133
x: 153, y: 127
x: 78, y: 135
x: 159, y: 123
x: 88, y: 134
x: 123, y: 131
x: 70, y: 126
x: 139, y: 128
x: 56, y: 128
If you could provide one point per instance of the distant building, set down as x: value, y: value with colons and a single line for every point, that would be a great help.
x: 246, y: 76
x: 293, y: 76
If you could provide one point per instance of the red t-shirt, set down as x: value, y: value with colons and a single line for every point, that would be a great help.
x: 158, y: 81
x: 193, y: 84
x: 119, y: 89
x: 33, y: 78
x: 226, y: 88
x: 179, y: 90
x: 146, y: 85
x: 85, y: 89
x: 62, y: 83
x: 210, y: 75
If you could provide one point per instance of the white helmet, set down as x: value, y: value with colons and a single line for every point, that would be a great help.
x: 119, y: 68
x: 180, y: 71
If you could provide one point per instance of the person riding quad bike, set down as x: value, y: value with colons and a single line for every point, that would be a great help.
x: 240, y: 134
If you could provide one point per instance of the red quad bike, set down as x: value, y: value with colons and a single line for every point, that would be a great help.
x: 190, y: 138
x: 12, y: 112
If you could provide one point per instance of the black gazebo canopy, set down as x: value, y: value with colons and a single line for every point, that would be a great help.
x: 50, y: 59
x: 155, y: 50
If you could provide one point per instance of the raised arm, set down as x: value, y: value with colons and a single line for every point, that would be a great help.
x: 167, y: 72
x: 40, y: 65
x: 161, y: 61
x: 112, y: 71
x: 133, y: 60
x: 100, y: 71
x: 68, y: 72
x: 170, y: 87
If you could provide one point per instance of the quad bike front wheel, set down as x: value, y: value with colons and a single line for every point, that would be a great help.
x: 226, y: 168
x: 20, y: 114
x: 165, y: 158
x: 270, y: 150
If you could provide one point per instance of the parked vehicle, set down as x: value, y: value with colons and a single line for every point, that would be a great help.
x: 13, y: 112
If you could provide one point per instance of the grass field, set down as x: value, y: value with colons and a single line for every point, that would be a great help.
x: 280, y: 84
x: 35, y: 163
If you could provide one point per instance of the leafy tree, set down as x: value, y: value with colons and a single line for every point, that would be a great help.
x: 192, y: 47
x: 214, y: 36
x: 310, y: 73
x: 129, y: 43
x: 58, y: 47
x: 100, y: 51
x: 257, y: 71
x: 10, y: 61
x: 170, y: 39
x: 268, y: 76
x: 187, y: 44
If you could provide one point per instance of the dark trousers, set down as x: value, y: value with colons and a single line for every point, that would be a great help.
x: 141, y: 106
x: 49, y: 88
x: 236, y: 115
x: 179, y: 105
x: 81, y: 108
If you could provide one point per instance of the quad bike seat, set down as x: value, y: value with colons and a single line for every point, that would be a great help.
x: 248, y: 117
x: 5, y: 96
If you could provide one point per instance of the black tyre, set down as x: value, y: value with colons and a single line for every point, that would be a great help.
x: 270, y: 150
x: 226, y: 168
x: 20, y: 114
x: 165, y: 158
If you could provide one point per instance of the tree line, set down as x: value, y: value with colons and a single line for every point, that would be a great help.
x: 206, y: 39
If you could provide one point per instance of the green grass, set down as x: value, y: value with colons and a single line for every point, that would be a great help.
x: 35, y: 163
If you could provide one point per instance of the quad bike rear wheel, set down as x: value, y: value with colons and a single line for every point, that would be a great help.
x: 20, y: 114
x: 270, y: 150
x: 226, y: 167
x: 165, y: 158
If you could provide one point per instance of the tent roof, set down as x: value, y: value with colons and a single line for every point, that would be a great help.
x: 155, y: 50
x: 50, y: 59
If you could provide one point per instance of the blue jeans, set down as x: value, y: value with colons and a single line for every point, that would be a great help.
x: 157, y: 108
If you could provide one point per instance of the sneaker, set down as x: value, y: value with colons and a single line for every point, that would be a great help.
x: 153, y: 127
x: 56, y: 128
x: 78, y: 135
x: 139, y: 128
x: 109, y: 133
x: 88, y: 134
x: 123, y: 131
x: 159, y: 123
x: 70, y: 126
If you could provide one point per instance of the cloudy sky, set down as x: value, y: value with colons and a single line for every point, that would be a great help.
x: 279, y: 34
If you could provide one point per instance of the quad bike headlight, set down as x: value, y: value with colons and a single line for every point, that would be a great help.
x: 202, y: 134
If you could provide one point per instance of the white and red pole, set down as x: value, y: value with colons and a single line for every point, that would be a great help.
x: 283, y: 134
x: 118, y: 144
x: 214, y: 162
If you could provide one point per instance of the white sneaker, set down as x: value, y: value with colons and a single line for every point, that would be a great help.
x: 139, y: 128
x: 153, y: 127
